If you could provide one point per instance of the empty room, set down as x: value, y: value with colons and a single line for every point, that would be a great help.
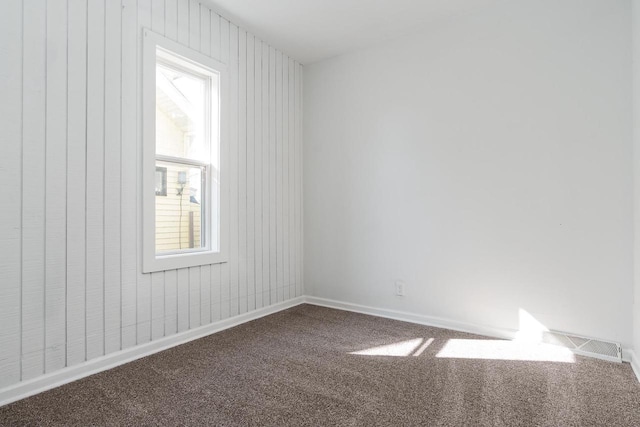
x: 320, y: 212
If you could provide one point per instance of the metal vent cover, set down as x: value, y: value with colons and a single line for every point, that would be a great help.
x: 578, y: 341
x: 584, y: 346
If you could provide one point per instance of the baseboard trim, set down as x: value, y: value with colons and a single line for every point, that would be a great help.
x: 438, y: 322
x: 404, y: 316
x: 64, y: 376
x: 635, y: 363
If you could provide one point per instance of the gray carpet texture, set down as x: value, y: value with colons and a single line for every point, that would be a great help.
x: 314, y: 366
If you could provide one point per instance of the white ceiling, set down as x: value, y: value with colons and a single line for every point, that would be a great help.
x: 312, y: 30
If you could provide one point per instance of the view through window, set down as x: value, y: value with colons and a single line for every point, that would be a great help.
x: 185, y: 130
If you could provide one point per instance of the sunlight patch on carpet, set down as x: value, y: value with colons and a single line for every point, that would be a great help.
x: 504, y: 350
x: 398, y: 349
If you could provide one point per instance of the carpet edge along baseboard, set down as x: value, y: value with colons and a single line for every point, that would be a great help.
x: 69, y: 374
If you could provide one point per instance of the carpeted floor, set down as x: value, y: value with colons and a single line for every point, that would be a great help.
x: 296, y: 368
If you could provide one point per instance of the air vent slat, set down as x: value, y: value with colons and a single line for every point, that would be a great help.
x: 578, y: 341
x: 585, y: 346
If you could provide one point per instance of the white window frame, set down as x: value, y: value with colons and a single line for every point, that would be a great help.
x: 151, y: 261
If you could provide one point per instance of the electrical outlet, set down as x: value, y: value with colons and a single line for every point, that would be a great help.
x: 400, y: 288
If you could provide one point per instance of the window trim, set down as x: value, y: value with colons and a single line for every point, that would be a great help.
x: 151, y: 261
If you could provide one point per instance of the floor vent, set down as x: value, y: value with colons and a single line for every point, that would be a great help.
x: 585, y: 346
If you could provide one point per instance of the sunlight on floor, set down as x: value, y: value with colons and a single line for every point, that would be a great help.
x: 527, y: 346
x: 413, y: 347
x: 504, y: 350
x: 423, y: 347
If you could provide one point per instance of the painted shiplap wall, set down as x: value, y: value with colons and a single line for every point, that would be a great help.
x: 71, y: 286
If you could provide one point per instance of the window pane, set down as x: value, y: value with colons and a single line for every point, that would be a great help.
x: 182, y: 113
x: 179, y: 214
x: 161, y: 181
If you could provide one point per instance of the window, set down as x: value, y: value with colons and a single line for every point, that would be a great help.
x: 161, y: 181
x: 183, y: 156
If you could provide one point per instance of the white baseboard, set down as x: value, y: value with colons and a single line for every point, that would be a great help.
x: 635, y: 363
x: 438, y: 322
x: 404, y: 316
x: 55, y: 379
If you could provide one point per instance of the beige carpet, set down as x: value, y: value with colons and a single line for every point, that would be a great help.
x: 295, y: 368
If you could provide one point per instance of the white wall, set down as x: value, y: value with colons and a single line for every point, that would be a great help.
x: 486, y: 162
x: 71, y: 286
x: 636, y: 175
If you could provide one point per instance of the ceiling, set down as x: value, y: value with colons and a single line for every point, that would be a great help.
x: 313, y: 30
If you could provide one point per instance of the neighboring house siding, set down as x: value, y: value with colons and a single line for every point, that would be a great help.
x: 71, y: 286
x: 172, y: 217
x: 172, y: 228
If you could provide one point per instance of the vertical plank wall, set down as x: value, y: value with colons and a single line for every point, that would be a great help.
x: 71, y: 285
